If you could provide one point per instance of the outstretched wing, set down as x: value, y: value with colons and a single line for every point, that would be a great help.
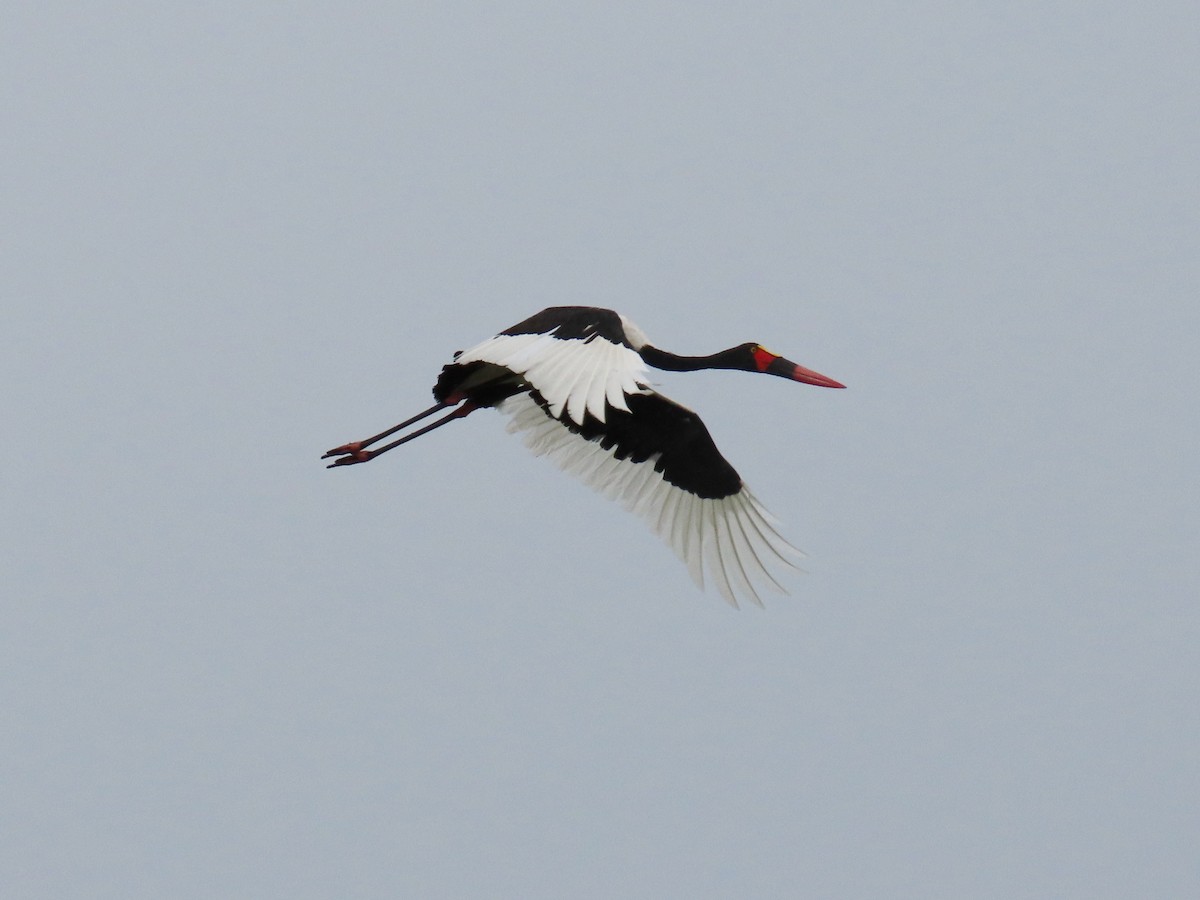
x: 576, y: 357
x: 575, y: 386
x: 658, y: 460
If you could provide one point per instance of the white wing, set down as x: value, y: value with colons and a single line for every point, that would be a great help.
x: 733, y: 537
x: 575, y: 375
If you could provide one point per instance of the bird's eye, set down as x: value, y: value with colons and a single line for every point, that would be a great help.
x: 763, y: 358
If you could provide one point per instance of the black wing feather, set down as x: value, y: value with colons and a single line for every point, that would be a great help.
x: 574, y: 323
x: 688, y: 457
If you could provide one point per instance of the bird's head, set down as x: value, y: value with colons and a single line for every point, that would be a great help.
x: 758, y: 358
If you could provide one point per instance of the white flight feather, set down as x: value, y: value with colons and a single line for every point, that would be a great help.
x: 577, y: 375
x: 733, y: 537
x: 593, y: 373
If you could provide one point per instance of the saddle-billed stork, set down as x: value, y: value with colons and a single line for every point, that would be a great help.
x: 573, y: 379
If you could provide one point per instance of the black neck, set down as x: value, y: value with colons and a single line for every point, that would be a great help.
x: 671, y: 362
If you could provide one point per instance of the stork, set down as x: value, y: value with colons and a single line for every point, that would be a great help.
x: 574, y: 382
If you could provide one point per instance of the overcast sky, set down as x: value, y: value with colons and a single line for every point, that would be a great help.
x: 235, y: 237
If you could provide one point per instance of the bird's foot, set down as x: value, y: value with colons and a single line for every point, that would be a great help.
x: 350, y: 454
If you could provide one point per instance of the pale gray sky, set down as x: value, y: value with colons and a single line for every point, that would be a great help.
x: 235, y: 238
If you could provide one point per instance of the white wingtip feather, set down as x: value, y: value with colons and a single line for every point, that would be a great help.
x: 733, y: 537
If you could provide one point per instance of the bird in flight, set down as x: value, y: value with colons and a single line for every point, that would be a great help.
x: 574, y: 382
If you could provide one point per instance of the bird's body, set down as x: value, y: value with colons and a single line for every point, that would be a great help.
x: 574, y: 382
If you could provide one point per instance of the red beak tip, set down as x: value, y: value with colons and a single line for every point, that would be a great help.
x: 808, y: 376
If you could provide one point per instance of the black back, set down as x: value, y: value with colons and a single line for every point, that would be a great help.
x: 574, y: 322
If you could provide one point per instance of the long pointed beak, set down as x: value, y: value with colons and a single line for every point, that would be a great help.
x: 785, y: 368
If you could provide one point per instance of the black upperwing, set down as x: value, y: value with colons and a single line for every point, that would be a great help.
x: 688, y: 457
x: 574, y: 323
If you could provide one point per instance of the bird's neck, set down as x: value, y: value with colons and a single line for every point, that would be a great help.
x: 672, y: 362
